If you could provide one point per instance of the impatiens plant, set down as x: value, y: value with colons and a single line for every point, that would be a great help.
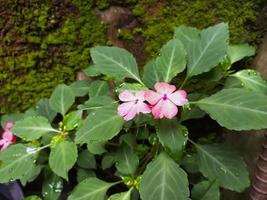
x: 130, y: 135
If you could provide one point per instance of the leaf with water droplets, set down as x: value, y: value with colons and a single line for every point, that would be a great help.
x: 219, y: 162
x: 16, y: 162
x: 252, y: 80
x: 52, y: 187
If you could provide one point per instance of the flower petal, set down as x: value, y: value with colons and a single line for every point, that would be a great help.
x: 5, y: 145
x: 179, y: 97
x: 3, y: 141
x: 157, y: 111
x: 8, y: 125
x: 8, y: 135
x: 124, y: 108
x: 126, y: 95
x: 140, y: 95
x: 164, y: 88
x: 131, y: 114
x: 152, y: 97
x: 169, y: 109
x: 142, y: 108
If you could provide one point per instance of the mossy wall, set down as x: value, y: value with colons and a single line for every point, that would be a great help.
x: 44, y: 42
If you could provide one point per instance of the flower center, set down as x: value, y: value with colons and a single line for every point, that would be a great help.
x: 165, y: 97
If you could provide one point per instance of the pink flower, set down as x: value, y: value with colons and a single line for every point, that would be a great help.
x: 8, y: 137
x: 165, y: 101
x: 134, y: 104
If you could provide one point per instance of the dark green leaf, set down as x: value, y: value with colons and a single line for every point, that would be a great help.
x: 208, y: 51
x: 219, y: 162
x: 163, y: 179
x: 62, y: 158
x: 62, y: 99
x: 86, y: 160
x: 90, y: 189
x: 237, y: 109
x: 80, y: 88
x: 127, y: 160
x: 101, y: 125
x: 32, y: 128
x: 43, y: 108
x: 173, y: 137
x: 16, y: 161
x: 98, y: 88
x: 206, y: 190
x: 115, y: 62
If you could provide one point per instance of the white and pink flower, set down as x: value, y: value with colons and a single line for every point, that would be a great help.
x: 165, y: 100
x: 8, y: 137
x: 133, y: 104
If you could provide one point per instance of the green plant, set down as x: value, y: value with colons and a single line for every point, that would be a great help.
x: 142, y: 145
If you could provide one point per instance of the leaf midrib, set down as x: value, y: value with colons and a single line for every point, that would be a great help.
x: 96, y: 126
x: 202, y: 53
x: 231, y: 106
x: 251, y: 80
x: 218, y: 162
x: 121, y: 66
x: 170, y: 64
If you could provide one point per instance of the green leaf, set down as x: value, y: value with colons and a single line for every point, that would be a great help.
x: 62, y: 99
x: 163, y: 179
x: 15, y: 162
x: 52, y: 187
x: 186, y: 35
x: 92, y: 71
x: 152, y: 74
x: 219, y: 162
x: 72, y: 120
x: 83, y: 174
x: 11, y: 117
x: 80, y: 88
x: 252, y: 80
x: 209, y: 50
x: 171, y: 60
x: 121, y: 196
x: 173, y: 137
x: 96, y: 102
x: 101, y: 125
x: 90, y: 189
x: 127, y: 160
x: 238, y: 52
x: 32, y: 128
x: 43, y: 108
x: 31, y: 174
x: 237, y: 109
x: 96, y: 148
x: 131, y: 87
x: 206, y: 190
x: 192, y: 113
x: 107, y: 161
x: 86, y: 160
x: 115, y: 62
x: 98, y: 88
x: 62, y: 158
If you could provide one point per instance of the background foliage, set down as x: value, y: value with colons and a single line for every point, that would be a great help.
x: 44, y: 42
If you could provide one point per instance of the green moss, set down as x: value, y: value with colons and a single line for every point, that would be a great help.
x: 162, y: 17
x: 45, y: 48
x: 125, y: 34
